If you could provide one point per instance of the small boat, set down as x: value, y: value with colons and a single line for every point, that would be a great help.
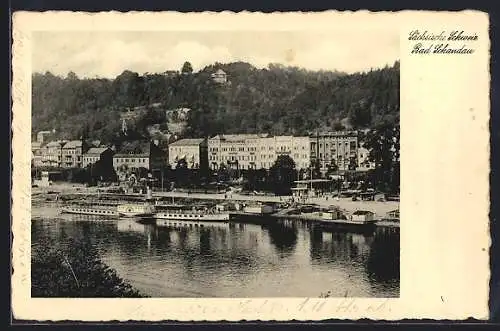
x: 83, y: 210
x: 136, y: 210
x: 358, y: 218
x: 259, y: 209
x: 362, y: 217
x: 392, y: 216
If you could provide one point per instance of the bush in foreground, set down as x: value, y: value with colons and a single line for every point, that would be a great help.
x: 74, y: 270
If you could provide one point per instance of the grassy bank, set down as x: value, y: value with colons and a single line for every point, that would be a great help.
x: 74, y: 270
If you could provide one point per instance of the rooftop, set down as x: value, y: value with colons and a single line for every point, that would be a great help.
x: 57, y: 143
x: 220, y: 72
x: 73, y: 144
x: 96, y: 150
x: 187, y: 142
x: 238, y: 137
x: 335, y: 134
x: 134, y: 148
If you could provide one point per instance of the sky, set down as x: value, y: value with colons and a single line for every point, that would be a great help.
x: 106, y: 54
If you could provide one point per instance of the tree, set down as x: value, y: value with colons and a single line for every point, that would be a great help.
x: 181, y: 173
x: 72, y: 76
x: 316, y: 169
x: 187, y: 68
x: 74, y: 270
x: 383, y: 143
x: 332, y: 168
x: 353, y: 163
x: 101, y: 171
x: 282, y: 175
x: 277, y: 100
x: 222, y: 173
x: 251, y: 180
x: 142, y: 172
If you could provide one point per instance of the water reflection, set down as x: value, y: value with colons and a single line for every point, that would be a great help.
x: 340, y: 246
x: 383, y: 262
x: 283, y: 236
x: 241, y: 260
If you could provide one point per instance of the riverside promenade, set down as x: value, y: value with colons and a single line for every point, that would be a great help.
x: 379, y: 208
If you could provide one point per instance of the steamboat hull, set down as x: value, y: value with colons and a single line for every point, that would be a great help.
x: 89, y: 211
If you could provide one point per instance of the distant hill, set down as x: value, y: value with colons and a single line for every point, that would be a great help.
x: 278, y: 99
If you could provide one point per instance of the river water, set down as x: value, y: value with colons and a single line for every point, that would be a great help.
x: 288, y: 259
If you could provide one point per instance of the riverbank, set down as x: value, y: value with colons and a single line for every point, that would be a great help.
x: 379, y: 208
x: 60, y: 270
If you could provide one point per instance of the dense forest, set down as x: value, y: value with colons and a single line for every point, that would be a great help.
x: 278, y: 100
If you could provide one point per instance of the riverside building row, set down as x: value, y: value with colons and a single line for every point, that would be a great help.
x: 130, y: 156
x: 235, y: 151
x: 260, y: 151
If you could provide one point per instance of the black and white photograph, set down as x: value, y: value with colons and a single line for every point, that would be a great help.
x: 250, y: 166
x: 215, y: 164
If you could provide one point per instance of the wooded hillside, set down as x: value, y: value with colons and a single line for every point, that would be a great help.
x: 278, y: 100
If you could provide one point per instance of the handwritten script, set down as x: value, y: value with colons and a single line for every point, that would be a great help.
x: 442, y: 42
x: 253, y: 309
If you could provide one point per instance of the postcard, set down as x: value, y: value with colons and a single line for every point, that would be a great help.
x: 250, y: 166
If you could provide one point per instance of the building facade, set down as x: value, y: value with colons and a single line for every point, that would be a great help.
x: 238, y: 151
x: 364, y: 163
x: 52, y: 153
x: 193, y: 151
x: 132, y: 156
x: 42, y: 136
x: 337, y: 148
x: 219, y: 76
x: 72, y: 154
x: 36, y: 154
x: 254, y: 151
x: 297, y: 148
x: 94, y: 154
